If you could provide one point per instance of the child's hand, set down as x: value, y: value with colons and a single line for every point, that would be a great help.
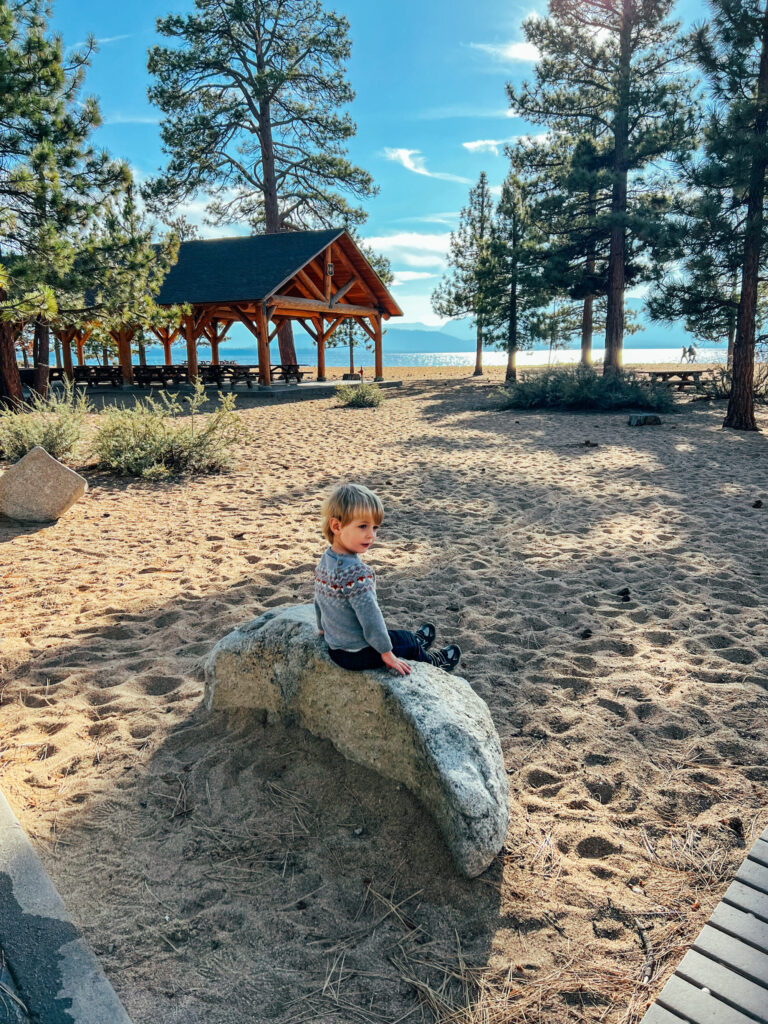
x: 399, y: 666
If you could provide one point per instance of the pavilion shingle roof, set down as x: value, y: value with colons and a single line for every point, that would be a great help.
x: 240, y: 269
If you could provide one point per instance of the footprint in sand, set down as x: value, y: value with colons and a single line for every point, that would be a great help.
x: 613, y: 706
x: 158, y: 685
x: 600, y: 790
x: 596, y: 847
x: 167, y: 619
x: 545, y: 782
x: 738, y: 655
x: 659, y: 638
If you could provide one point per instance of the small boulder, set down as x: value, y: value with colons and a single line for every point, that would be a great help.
x: 428, y: 730
x: 644, y: 420
x: 39, y: 489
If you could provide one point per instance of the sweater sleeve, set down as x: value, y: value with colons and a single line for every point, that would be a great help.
x: 366, y: 608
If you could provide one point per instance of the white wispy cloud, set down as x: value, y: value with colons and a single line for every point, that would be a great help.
x: 131, y: 119
x: 508, y: 52
x: 412, y: 160
x: 413, y: 248
x: 494, y: 145
x: 488, y: 145
x: 104, y: 41
x: 458, y: 111
x: 405, y: 276
x: 448, y: 218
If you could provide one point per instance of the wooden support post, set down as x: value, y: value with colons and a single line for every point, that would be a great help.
x: 166, y: 340
x: 379, y: 367
x: 189, y: 335
x: 215, y: 342
x: 262, y: 336
x: 320, y: 348
x: 124, y: 336
x: 327, y: 280
x: 66, y: 351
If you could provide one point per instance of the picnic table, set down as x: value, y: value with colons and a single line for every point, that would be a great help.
x: 168, y: 375
x: 290, y: 371
x: 88, y: 375
x: 680, y: 379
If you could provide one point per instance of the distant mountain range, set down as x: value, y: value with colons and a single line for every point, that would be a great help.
x: 459, y: 335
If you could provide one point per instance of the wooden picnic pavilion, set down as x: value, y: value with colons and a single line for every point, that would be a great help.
x: 317, y: 278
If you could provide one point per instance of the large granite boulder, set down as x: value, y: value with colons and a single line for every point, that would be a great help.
x: 428, y: 730
x: 39, y: 489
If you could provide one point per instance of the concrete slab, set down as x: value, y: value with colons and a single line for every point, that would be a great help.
x: 55, y: 974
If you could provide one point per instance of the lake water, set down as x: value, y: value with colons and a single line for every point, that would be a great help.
x: 338, y: 357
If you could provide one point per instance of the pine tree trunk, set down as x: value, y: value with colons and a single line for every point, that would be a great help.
x: 142, y: 353
x: 512, y: 329
x: 351, y: 354
x: 731, y: 340
x: 272, y: 210
x: 586, y: 331
x: 57, y: 350
x: 479, y: 352
x: 24, y: 353
x: 105, y: 355
x: 10, y: 381
x: 614, y: 325
x: 42, y: 352
x: 741, y: 404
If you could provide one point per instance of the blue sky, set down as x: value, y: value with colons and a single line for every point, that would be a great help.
x: 430, y: 108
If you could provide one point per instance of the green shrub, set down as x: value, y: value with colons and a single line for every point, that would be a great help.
x: 582, y: 387
x: 362, y: 395
x: 716, y: 385
x: 161, y: 439
x: 54, y: 423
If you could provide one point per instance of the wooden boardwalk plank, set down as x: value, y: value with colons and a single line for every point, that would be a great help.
x: 725, y: 984
x: 733, y: 952
x: 744, y: 926
x: 658, y: 1015
x: 747, y: 898
x: 723, y: 978
x: 753, y: 874
x: 759, y: 852
x: 698, y: 1006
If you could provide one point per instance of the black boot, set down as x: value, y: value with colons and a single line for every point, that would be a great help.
x: 425, y: 635
x: 446, y: 658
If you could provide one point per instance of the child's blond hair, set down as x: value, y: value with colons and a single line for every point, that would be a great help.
x: 347, y: 502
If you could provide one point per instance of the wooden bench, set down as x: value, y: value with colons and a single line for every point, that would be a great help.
x: 723, y: 978
x: 167, y: 376
x: 95, y: 376
x: 681, y: 379
x: 290, y: 371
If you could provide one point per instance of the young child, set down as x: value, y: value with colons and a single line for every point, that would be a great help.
x: 345, y: 593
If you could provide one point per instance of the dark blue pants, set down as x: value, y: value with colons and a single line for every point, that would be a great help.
x: 404, y: 645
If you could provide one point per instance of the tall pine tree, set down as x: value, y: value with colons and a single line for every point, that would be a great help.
x: 733, y: 52
x: 516, y: 289
x: 251, y: 92
x: 468, y: 290
x: 615, y: 68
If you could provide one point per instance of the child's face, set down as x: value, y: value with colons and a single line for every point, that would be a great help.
x: 356, y: 536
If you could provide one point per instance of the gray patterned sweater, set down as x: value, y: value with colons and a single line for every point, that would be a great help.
x: 346, y: 606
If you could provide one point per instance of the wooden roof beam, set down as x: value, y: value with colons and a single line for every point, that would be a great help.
x: 337, y: 296
x: 293, y: 304
x: 371, y: 334
x: 310, y: 285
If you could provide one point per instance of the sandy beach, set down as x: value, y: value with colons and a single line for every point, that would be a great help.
x: 609, y: 587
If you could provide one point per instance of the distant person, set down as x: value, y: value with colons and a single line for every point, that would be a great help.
x: 684, y: 355
x: 691, y: 354
x: 348, y: 614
